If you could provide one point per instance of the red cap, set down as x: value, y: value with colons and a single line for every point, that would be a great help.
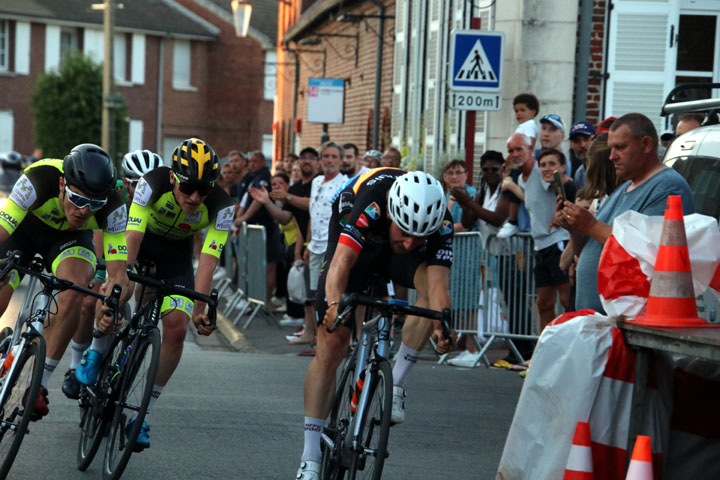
x: 604, y: 126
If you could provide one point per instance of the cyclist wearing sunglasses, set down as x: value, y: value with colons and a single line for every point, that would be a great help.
x: 134, y: 165
x: 169, y: 206
x: 52, y: 211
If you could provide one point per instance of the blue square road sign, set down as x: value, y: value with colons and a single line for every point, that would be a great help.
x: 476, y: 58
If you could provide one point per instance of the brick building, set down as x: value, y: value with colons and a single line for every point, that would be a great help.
x: 334, y: 39
x: 178, y: 66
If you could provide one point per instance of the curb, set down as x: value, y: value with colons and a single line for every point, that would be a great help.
x: 235, y: 338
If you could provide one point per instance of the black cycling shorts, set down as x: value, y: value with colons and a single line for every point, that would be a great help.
x: 373, y: 261
x: 35, y: 237
x: 172, y: 259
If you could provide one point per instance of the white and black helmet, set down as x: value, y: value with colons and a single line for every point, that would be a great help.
x: 416, y: 203
x: 138, y: 163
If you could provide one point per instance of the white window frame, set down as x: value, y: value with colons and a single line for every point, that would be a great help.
x: 4, y: 45
x: 182, y: 65
x: 715, y: 73
x: 137, y: 62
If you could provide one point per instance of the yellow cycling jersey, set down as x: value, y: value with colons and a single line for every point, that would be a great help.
x: 37, y: 192
x: 156, y: 210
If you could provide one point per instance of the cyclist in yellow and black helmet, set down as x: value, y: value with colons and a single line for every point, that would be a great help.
x: 170, y: 205
x: 194, y: 161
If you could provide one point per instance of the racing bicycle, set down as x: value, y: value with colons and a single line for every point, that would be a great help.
x: 355, y: 437
x: 23, y: 352
x: 126, y: 377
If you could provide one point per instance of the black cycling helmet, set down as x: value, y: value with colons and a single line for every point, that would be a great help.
x: 89, y: 168
x: 195, y: 161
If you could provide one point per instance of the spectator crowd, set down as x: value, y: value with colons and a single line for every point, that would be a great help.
x: 560, y: 203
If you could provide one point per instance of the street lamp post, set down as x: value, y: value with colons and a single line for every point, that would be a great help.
x: 242, y: 9
x: 108, y: 116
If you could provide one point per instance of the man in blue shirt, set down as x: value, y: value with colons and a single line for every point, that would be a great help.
x: 634, y: 145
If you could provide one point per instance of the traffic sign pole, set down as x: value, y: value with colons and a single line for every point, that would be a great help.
x: 475, y: 24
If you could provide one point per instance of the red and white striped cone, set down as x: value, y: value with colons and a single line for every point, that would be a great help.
x: 641, y: 463
x: 579, y: 463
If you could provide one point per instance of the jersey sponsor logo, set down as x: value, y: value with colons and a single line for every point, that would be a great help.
x: 143, y: 192
x: 184, y: 227
x: 225, y: 218
x: 378, y: 178
x: 23, y: 193
x: 194, y: 217
x: 373, y: 211
x: 362, y: 221
x: 189, y: 307
x: 177, y: 303
x: 117, y: 220
x: 162, y: 211
x: 7, y: 218
x: 169, y: 206
x: 344, y: 219
x: 67, y: 253
x: 66, y: 245
x: 345, y: 202
x: 444, y: 254
x: 213, y: 245
x: 446, y: 228
x: 134, y: 220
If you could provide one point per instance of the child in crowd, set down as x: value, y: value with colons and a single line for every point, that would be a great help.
x: 526, y: 107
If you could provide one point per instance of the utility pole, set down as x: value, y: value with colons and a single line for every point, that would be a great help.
x: 109, y: 98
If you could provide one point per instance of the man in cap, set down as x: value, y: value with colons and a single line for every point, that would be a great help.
x: 552, y: 133
x: 581, y: 134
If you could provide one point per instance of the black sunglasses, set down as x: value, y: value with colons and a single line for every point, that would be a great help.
x: 189, y: 188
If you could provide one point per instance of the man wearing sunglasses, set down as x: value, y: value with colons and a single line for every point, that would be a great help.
x: 134, y: 165
x: 52, y: 211
x: 169, y: 206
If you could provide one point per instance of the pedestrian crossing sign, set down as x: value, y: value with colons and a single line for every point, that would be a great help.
x: 476, y: 58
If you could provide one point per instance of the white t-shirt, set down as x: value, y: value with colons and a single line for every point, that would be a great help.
x: 490, y: 202
x: 529, y: 128
x: 321, y: 195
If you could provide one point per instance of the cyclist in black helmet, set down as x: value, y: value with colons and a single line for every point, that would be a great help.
x: 169, y: 206
x: 52, y: 211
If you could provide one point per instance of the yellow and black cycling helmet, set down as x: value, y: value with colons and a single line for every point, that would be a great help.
x: 195, y: 161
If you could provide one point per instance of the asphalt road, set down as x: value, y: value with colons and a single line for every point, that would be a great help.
x: 239, y: 415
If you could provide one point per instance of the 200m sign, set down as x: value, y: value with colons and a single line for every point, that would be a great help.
x: 475, y: 101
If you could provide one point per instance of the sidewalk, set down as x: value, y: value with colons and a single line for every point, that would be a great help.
x: 265, y: 337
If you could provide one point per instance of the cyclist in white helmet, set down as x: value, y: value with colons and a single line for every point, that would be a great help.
x: 135, y: 165
x: 395, y: 224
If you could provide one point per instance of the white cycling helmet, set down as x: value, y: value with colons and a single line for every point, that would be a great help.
x: 416, y: 203
x: 138, y: 163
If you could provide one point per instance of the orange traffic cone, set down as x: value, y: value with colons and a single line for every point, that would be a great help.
x: 641, y: 462
x: 672, y: 298
x: 579, y: 463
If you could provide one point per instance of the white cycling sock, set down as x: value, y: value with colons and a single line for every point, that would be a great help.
x: 100, y: 344
x: 156, y: 391
x: 77, y: 352
x: 404, y: 361
x: 313, y: 435
x: 50, y: 365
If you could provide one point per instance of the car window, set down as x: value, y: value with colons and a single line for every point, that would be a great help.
x: 703, y: 176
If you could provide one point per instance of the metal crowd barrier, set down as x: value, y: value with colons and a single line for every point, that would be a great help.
x: 248, y: 289
x: 508, y: 292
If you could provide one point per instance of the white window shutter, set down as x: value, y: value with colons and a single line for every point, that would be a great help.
x: 400, y: 63
x: 93, y: 44
x: 22, y: 48
x: 641, y: 57
x: 137, y: 65
x: 120, y: 57
x: 52, y: 47
x: 7, y: 130
x: 135, y: 135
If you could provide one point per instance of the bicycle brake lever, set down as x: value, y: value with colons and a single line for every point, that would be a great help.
x: 212, y: 307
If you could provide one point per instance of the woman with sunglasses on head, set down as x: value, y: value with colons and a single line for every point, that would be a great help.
x: 52, y: 211
x: 169, y: 206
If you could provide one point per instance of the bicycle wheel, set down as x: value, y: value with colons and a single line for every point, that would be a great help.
x: 96, y: 410
x: 368, y: 459
x: 333, y: 467
x: 138, y: 378
x: 23, y: 386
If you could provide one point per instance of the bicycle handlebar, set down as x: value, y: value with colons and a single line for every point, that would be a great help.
x: 51, y: 281
x: 167, y: 289
x: 349, y: 300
